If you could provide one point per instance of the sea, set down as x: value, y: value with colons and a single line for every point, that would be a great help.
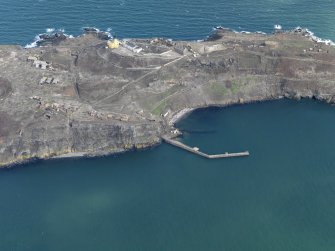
x: 281, y: 197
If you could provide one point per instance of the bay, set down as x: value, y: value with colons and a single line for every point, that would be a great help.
x: 279, y: 198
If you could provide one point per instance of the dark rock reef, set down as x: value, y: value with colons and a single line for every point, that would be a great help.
x: 92, y: 96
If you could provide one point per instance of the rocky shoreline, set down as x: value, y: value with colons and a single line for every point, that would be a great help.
x: 92, y: 95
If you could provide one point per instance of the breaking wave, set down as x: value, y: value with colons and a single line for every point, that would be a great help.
x: 34, y: 43
x: 278, y: 27
x: 52, y: 32
x: 38, y: 40
x: 49, y: 32
x: 317, y: 39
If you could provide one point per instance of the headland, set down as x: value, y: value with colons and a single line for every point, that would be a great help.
x: 92, y: 95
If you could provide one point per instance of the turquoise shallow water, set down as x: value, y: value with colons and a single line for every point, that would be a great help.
x: 21, y: 20
x: 279, y: 198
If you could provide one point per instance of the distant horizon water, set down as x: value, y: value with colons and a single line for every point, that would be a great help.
x: 22, y: 20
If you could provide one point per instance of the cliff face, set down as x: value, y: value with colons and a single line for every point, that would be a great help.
x: 81, y: 97
x: 101, y: 137
x: 45, y: 141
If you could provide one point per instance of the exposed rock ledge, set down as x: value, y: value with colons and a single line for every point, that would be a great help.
x: 81, y: 97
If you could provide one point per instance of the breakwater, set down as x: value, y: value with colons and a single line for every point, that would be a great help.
x: 196, y: 151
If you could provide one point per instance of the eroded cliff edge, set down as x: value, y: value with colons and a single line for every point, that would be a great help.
x: 81, y: 96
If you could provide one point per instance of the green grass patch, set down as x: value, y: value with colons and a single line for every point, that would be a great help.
x: 218, y: 88
x: 159, y: 109
x: 236, y: 86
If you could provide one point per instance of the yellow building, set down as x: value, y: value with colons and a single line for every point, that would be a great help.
x: 113, y: 44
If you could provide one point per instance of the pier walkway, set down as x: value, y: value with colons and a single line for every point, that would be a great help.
x: 197, y: 152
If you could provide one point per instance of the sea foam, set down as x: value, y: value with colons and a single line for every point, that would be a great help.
x: 315, y: 38
x: 50, y: 31
x: 278, y: 27
x: 308, y: 33
x: 34, y: 43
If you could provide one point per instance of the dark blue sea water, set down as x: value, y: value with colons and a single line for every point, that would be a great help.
x: 21, y: 20
x: 279, y: 198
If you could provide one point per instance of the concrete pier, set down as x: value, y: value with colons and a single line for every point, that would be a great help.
x: 195, y: 151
